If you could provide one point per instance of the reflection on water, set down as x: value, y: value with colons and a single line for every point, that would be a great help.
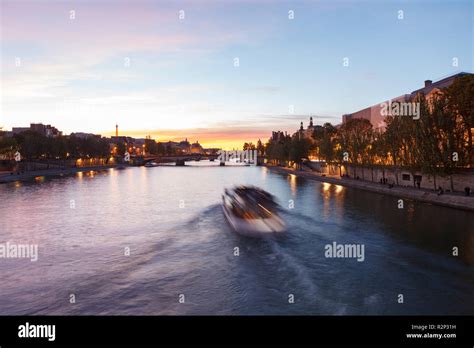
x: 171, y: 220
x: 292, y: 179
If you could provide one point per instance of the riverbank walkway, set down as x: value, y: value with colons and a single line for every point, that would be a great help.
x: 6, y: 177
x: 452, y: 200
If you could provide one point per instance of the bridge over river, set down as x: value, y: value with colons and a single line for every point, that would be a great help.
x: 178, y: 159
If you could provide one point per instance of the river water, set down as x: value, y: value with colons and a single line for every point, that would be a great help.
x: 182, y: 249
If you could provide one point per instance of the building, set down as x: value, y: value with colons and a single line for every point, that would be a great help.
x: 7, y: 134
x: 184, y: 146
x: 45, y: 130
x: 433, y: 87
x: 306, y: 133
x: 18, y: 130
x: 139, y: 141
x: 82, y: 135
x: 278, y: 136
x: 196, y: 148
x: 122, y: 139
x: 212, y: 151
x: 375, y: 112
x: 170, y: 144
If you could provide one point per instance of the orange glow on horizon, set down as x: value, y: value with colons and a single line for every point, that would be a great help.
x: 207, y: 138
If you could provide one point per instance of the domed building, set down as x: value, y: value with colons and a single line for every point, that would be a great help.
x: 184, y: 146
x: 196, y: 147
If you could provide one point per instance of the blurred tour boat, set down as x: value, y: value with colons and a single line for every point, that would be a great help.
x: 252, y: 211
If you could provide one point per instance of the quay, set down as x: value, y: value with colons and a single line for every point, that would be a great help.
x: 456, y: 201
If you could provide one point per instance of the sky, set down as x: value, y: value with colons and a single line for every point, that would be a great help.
x: 219, y: 72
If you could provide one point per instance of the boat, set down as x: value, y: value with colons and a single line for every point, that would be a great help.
x: 151, y: 164
x: 252, y: 211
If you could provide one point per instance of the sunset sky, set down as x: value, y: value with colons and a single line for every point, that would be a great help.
x: 136, y: 63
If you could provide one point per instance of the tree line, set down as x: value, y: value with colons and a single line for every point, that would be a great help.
x: 33, y: 145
